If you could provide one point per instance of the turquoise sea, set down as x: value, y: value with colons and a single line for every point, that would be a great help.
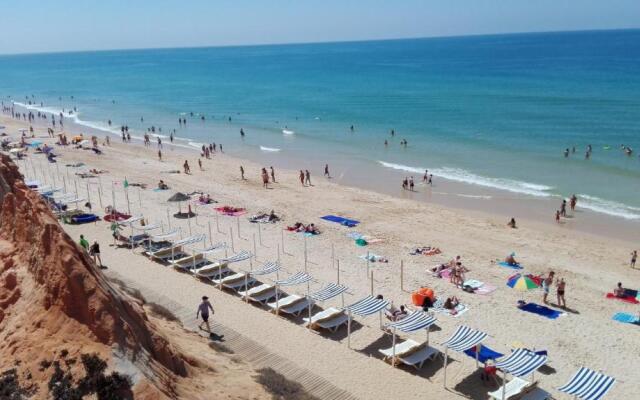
x: 488, y: 111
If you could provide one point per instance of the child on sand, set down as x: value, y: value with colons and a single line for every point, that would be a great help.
x: 560, y: 288
x: 634, y: 257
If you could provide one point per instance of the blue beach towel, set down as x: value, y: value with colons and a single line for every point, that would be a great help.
x: 340, y: 220
x: 626, y: 318
x: 484, y: 354
x: 541, y: 310
x: 512, y: 266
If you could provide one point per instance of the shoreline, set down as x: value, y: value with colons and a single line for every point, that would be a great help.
x: 592, y: 265
x: 483, y: 201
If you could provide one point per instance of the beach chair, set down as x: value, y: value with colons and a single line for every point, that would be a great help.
x: 292, y: 304
x: 260, y: 293
x: 168, y: 253
x: 331, y: 319
x: 221, y: 267
x: 190, y: 262
x: 234, y: 281
x: 516, y: 387
x: 411, y: 353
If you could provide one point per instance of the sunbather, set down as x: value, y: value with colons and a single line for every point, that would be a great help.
x: 396, y: 314
x: 451, y: 303
x: 619, y: 290
x: 510, y: 259
x: 311, y: 228
x: 162, y: 185
x: 297, y: 227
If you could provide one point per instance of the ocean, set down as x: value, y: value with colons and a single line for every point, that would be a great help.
x: 487, y: 112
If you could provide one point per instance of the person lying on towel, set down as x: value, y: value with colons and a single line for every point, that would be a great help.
x: 510, y: 259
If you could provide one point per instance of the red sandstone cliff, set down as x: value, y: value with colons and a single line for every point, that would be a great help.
x: 53, y: 298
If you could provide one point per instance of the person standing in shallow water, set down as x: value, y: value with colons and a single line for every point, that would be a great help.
x: 302, y: 177
x: 273, y: 175
x: 203, y: 312
x: 307, y: 177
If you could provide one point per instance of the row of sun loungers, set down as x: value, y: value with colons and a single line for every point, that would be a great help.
x: 586, y: 384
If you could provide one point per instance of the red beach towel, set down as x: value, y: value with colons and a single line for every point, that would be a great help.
x: 627, y: 299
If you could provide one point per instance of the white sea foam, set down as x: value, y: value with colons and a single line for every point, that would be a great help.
x: 271, y: 149
x: 288, y: 132
x: 608, y: 207
x: 461, y: 175
x: 75, y: 117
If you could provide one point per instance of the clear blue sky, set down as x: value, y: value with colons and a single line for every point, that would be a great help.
x: 61, y: 25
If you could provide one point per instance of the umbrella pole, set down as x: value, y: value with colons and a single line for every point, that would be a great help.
x: 349, y: 330
x: 446, y: 358
x: 231, y: 237
x: 189, y: 223
x: 310, y: 305
x: 210, y: 235
x: 259, y: 234
x: 168, y: 219
x: 217, y: 224
x: 393, y: 346
x: 238, y: 221
x: 246, y: 288
x: 305, y: 254
x: 255, y: 250
x: 504, y: 384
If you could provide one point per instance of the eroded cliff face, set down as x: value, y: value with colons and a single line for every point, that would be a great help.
x: 52, y: 297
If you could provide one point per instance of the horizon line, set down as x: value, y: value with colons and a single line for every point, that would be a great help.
x: 315, y: 42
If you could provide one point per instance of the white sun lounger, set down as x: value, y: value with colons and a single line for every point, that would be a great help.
x: 417, y: 358
x: 331, y: 319
x: 235, y: 281
x: 260, y: 293
x: 212, y: 270
x: 168, y: 253
x: 515, y: 387
x: 188, y: 262
x: 292, y: 304
x: 401, y: 348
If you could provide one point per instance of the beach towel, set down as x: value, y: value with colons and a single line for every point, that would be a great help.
x: 473, y: 284
x: 541, y: 310
x: 230, y: 211
x: 512, y: 266
x: 626, y: 318
x: 446, y: 274
x: 341, y: 220
x: 484, y: 355
x: 626, y: 299
x: 485, y: 290
x: 631, y: 293
x: 460, y: 309
x: 374, y: 258
x: 159, y: 190
x: 84, y: 218
x: 354, y: 235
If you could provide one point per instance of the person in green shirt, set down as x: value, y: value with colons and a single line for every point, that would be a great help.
x: 84, y: 243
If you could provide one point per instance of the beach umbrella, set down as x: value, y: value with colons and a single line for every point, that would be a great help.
x: 179, y: 197
x: 521, y: 282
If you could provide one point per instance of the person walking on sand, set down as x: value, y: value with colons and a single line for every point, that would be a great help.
x: 326, y: 171
x: 558, y: 216
x: 411, y: 184
x: 203, y: 312
x: 563, y: 208
x: 187, y: 170
x: 242, y: 173
x: 94, y: 251
x: 430, y: 180
x: 546, y: 286
x: 115, y: 231
x: 84, y: 243
x: 159, y: 142
x: 200, y: 163
x: 425, y: 177
x: 265, y: 178
x: 572, y: 202
x: 302, y: 177
x: 307, y: 177
x: 634, y: 257
x: 560, y: 288
x: 273, y: 174
x: 159, y: 155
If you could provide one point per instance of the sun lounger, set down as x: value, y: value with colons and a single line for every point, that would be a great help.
x: 168, y: 253
x: 515, y: 387
x: 292, y: 304
x: 212, y: 270
x: 190, y: 262
x: 235, y: 281
x: 331, y: 319
x: 259, y: 294
x: 411, y: 353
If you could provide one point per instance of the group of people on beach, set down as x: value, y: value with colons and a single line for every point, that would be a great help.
x: 562, y: 212
x: 627, y: 150
x: 409, y: 184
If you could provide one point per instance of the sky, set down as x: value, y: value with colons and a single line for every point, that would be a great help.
x: 65, y: 25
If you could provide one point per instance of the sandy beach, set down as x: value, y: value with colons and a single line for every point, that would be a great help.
x: 591, y: 264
